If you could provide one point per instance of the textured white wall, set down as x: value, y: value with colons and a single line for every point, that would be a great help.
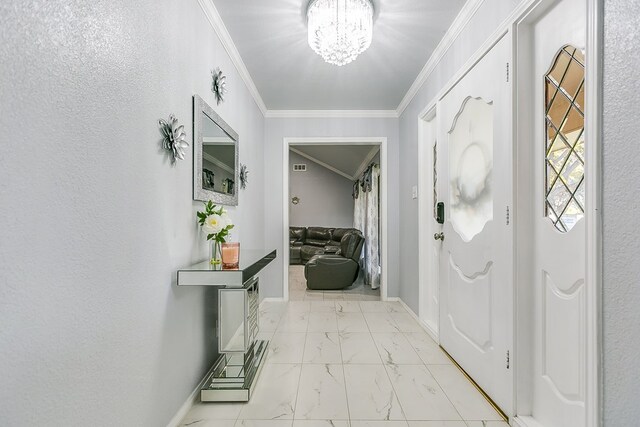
x: 95, y: 220
x: 485, y: 21
x: 275, y: 131
x: 325, y: 196
x: 621, y: 205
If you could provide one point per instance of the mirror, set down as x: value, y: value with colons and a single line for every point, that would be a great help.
x: 215, y: 156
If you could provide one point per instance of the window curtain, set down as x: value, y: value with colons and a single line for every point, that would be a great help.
x: 367, y: 219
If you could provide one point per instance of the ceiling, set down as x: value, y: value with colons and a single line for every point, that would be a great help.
x: 271, y: 36
x: 346, y: 160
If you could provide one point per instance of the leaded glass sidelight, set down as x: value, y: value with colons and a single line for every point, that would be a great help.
x: 564, y: 130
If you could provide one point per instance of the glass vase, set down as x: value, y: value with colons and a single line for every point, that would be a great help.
x: 216, y: 255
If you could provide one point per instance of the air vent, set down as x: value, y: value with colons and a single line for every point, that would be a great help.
x: 300, y: 167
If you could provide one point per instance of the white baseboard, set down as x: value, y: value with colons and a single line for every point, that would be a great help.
x: 429, y: 330
x: 194, y: 397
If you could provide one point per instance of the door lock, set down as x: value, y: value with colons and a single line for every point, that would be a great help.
x: 439, y: 236
x: 440, y: 213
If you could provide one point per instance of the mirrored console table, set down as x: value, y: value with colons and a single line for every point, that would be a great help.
x: 241, y: 354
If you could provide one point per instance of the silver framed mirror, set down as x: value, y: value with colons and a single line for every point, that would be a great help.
x: 215, y: 157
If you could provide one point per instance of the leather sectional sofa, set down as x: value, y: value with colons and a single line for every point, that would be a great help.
x: 306, y: 242
x: 336, y: 271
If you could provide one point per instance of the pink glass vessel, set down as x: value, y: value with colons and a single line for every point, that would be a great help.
x: 231, y: 256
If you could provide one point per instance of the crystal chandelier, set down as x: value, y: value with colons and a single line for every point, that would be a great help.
x: 340, y: 30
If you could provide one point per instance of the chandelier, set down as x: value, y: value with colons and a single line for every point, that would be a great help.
x: 340, y: 30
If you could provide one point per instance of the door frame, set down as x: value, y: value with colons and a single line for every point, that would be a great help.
x: 593, y: 218
x: 593, y: 182
x: 593, y: 221
x: 427, y: 280
x: 384, y: 169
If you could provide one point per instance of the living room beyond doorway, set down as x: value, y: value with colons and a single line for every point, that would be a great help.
x: 334, y: 211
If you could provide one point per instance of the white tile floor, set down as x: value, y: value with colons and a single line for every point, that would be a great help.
x: 298, y: 289
x: 351, y: 364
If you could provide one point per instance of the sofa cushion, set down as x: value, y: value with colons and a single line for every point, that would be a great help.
x: 313, y: 242
x: 318, y: 234
x: 297, y: 234
x: 306, y: 252
x: 338, y: 233
x: 351, y: 245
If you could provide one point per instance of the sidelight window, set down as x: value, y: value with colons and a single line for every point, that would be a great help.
x: 564, y: 130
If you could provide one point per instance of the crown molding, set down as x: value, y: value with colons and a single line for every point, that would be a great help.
x: 215, y: 20
x: 366, y: 161
x: 218, y: 163
x: 459, y: 23
x: 323, y: 164
x: 331, y: 114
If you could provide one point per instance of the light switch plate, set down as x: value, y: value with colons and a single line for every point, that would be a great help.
x: 414, y: 192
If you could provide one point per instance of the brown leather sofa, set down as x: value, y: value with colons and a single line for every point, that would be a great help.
x: 306, y: 242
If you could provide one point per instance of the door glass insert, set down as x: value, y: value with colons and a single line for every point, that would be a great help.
x: 470, y: 167
x: 564, y: 130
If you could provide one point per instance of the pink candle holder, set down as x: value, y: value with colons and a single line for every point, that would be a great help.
x: 231, y: 256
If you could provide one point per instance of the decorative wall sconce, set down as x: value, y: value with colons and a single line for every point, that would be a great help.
x: 174, y: 137
x: 244, y: 176
x: 295, y: 200
x: 219, y: 85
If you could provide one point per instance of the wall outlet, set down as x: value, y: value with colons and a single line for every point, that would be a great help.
x: 414, y: 192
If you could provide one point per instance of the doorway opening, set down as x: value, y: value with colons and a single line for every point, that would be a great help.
x: 334, y: 219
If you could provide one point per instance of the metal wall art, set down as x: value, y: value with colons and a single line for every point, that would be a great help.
x: 174, y: 137
x: 244, y: 176
x: 219, y: 85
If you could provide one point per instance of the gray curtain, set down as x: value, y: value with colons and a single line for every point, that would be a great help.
x: 367, y: 219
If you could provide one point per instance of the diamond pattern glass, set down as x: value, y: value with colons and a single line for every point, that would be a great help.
x: 564, y: 153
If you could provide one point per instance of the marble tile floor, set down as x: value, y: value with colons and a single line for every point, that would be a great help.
x: 298, y: 289
x: 350, y: 364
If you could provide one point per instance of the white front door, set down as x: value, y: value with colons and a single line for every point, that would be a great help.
x: 558, y: 274
x: 475, y: 176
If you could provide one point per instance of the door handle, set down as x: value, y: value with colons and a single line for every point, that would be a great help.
x: 439, y: 236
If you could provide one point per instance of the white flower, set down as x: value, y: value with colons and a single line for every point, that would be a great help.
x: 226, y: 221
x: 213, y: 224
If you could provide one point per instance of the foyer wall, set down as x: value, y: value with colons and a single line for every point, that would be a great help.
x: 275, y: 132
x: 485, y: 21
x: 621, y: 195
x: 325, y: 197
x: 95, y: 219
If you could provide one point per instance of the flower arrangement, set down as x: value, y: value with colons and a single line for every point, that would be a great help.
x: 216, y: 223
